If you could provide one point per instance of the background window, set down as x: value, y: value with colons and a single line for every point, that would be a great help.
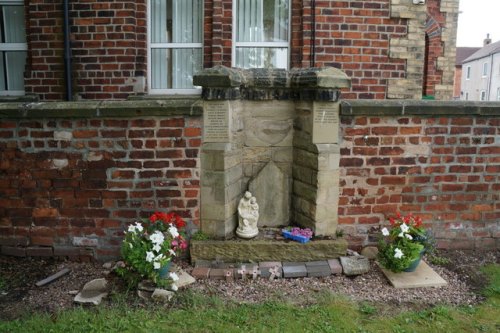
x: 483, y: 95
x: 176, y: 36
x: 261, y: 32
x: 498, y: 94
x: 467, y: 75
x: 13, y: 48
x: 485, y: 69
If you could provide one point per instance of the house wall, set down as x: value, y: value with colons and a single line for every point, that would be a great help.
x: 380, y: 44
x: 477, y: 82
x: 495, y: 78
x: 74, y: 175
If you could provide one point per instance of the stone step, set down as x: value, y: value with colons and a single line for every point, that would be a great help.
x: 266, y: 250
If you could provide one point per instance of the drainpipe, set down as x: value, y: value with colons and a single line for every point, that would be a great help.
x: 313, y: 34
x: 67, y: 52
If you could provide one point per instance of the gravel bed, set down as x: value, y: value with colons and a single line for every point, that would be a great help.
x: 19, y: 294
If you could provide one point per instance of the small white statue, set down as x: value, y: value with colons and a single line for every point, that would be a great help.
x: 248, y: 215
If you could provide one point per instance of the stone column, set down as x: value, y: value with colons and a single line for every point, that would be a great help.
x: 287, y: 120
x: 221, y: 167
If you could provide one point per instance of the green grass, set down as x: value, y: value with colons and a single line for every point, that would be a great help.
x: 192, y: 312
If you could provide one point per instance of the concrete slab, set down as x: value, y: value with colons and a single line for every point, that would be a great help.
x: 293, y: 263
x: 317, y: 263
x: 319, y: 270
x: 335, y: 266
x: 264, y: 272
x: 201, y: 272
x: 294, y: 271
x: 424, y: 276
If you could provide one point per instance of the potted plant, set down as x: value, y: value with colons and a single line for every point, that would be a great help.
x: 149, y: 248
x: 297, y: 234
x: 403, y: 244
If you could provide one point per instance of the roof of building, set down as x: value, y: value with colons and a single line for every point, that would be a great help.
x: 485, y: 51
x: 463, y: 53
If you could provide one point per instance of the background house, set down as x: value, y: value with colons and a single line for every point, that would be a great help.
x: 111, y: 49
x: 481, y: 74
x: 462, y: 54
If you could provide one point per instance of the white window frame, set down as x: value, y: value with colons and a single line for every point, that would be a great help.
x: 485, y: 69
x: 12, y: 47
x: 482, y: 95
x: 498, y: 94
x: 467, y: 72
x: 150, y: 46
x: 286, y: 45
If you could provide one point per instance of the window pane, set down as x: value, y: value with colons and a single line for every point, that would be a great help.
x: 176, y: 21
x: 262, y: 21
x: 13, y: 20
x: 261, y: 57
x: 12, y: 70
x: 174, y: 68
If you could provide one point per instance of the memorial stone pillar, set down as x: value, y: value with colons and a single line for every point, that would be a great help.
x: 310, y: 99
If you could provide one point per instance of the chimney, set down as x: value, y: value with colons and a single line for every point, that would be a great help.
x: 487, y: 40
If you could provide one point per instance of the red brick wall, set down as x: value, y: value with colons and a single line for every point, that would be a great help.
x: 445, y: 169
x: 108, y: 40
x: 44, y: 74
x: 75, y: 184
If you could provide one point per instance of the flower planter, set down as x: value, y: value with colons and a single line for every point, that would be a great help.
x: 297, y: 238
x: 414, y: 264
x: 164, y: 270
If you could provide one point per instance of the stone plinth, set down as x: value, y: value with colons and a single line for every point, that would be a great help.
x: 266, y: 250
x: 285, y: 122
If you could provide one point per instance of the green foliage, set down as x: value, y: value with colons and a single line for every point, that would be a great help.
x: 200, y: 236
x: 493, y: 288
x: 438, y: 260
x: 386, y: 255
x: 3, y: 284
x: 339, y: 233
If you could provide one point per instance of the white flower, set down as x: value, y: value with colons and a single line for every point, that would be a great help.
x: 174, y: 287
x: 398, y: 253
x: 157, y: 237
x: 173, y: 231
x: 404, y: 228
x: 408, y: 236
x: 131, y: 228
x: 401, y: 234
x: 172, y: 252
x: 385, y: 232
x: 149, y: 256
x: 157, y: 247
x: 159, y: 257
x: 174, y: 276
x: 156, y: 265
x: 131, y: 246
x: 138, y: 227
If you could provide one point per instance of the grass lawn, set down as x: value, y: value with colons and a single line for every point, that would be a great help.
x: 197, y: 313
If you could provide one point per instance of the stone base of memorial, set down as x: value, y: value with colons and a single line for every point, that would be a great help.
x: 257, y: 250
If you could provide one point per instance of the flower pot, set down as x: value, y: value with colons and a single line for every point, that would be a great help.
x: 414, y: 264
x: 165, y: 270
x: 297, y: 238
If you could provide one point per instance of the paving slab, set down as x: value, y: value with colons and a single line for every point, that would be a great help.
x: 201, y: 272
x: 218, y: 273
x: 317, y: 263
x: 294, y: 271
x: 424, y: 276
x: 265, y: 273
x: 317, y: 270
x: 293, y: 263
x: 335, y: 266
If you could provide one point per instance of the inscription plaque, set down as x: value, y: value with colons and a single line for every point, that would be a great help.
x: 216, y: 121
x: 325, y: 122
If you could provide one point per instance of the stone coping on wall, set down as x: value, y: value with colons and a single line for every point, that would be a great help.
x: 189, y: 105
x: 418, y: 108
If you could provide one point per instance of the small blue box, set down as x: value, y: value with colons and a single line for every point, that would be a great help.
x: 297, y: 238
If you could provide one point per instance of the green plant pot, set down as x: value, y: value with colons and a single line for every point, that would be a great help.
x: 164, y: 270
x: 414, y: 264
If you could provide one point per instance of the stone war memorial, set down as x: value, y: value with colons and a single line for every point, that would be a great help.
x: 274, y: 133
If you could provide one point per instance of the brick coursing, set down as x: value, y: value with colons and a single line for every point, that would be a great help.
x: 380, y: 44
x: 445, y: 169
x: 76, y: 183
